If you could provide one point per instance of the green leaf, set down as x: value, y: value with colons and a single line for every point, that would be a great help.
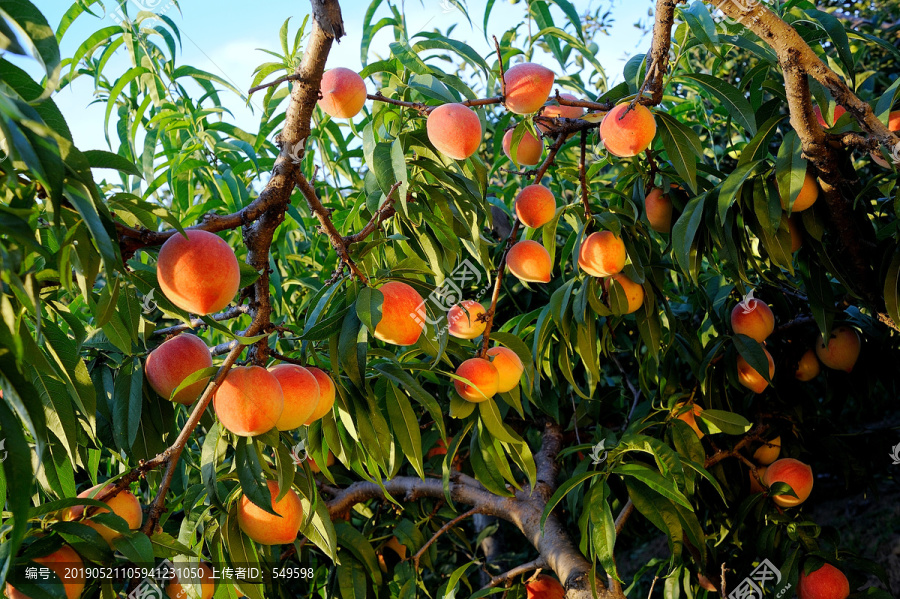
x: 682, y: 146
x: 734, y: 102
x: 685, y: 230
x: 790, y: 168
x: 727, y: 422
x: 405, y: 425
x: 892, y: 288
x: 563, y: 490
x: 368, y: 306
x: 754, y: 353
x: 732, y: 185
x: 104, y: 159
x: 604, y: 528
x: 250, y: 475
x: 654, y: 480
x: 135, y: 546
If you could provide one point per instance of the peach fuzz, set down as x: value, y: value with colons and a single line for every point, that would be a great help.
x: 529, y: 150
x: 808, y: 367
x: 249, y: 401
x: 634, y: 292
x: 178, y: 589
x: 484, y: 377
x: 509, y: 368
x: 628, y: 132
x: 659, y: 210
x: 268, y: 529
x: 343, y: 93
x: 842, y: 350
x: 544, y: 587
x: 529, y: 261
x: 793, y: 472
x: 689, y: 416
x: 455, y: 130
x: 838, y: 112
x: 756, y: 480
x: 63, y: 561
x: 825, y: 583
x: 768, y: 452
x: 602, y: 254
x: 301, y: 395
x: 796, y: 229
x: 528, y: 86
x: 808, y: 195
x: 753, y: 318
x: 124, y: 504
x: 327, y: 394
x: 750, y: 378
x: 463, y: 320
x: 535, y: 206
x: 198, y: 273
x: 402, y: 314
x: 171, y: 363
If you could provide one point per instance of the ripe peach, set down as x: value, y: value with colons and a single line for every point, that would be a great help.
x: 528, y: 86
x: 440, y: 448
x: 249, y: 401
x: 509, y: 368
x: 825, y: 583
x: 544, y: 587
x: 842, y: 350
x: 634, y: 292
x: 793, y: 472
x: 484, y: 377
x: 198, y: 273
x: 838, y: 112
x: 754, y: 318
x: 266, y: 529
x: 659, y: 210
x: 172, y: 362
x: 555, y: 111
x: 402, y: 314
x: 124, y: 504
x: 796, y: 229
x: 757, y: 478
x: 343, y: 93
x: 529, y: 150
x: 628, y: 132
x: 808, y: 367
x: 750, y: 378
x: 530, y: 261
x: 602, y: 254
x: 809, y: 193
x: 768, y: 452
x: 329, y: 462
x: 455, y: 130
x: 689, y: 416
x: 178, y: 589
x: 465, y: 324
x: 67, y: 565
x: 535, y: 206
x: 327, y: 394
x: 301, y: 395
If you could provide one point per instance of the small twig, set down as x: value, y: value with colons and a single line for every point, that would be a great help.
x: 385, y: 211
x: 635, y: 392
x: 582, y: 173
x: 502, y: 71
x: 623, y: 516
x: 282, y: 358
x: 604, y: 106
x: 274, y: 82
x: 538, y: 564
x: 233, y: 312
x: 721, y: 454
x: 419, y: 107
x: 441, y: 531
x: 653, y: 584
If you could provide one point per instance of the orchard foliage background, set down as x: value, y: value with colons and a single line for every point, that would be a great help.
x: 81, y: 307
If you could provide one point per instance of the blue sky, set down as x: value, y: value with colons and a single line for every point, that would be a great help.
x: 222, y: 37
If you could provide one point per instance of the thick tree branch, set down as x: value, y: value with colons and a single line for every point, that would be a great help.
x: 658, y: 56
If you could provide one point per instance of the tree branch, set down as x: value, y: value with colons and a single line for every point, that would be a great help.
x: 442, y: 530
x: 537, y: 564
x: 233, y: 312
x: 658, y: 56
x: 385, y: 211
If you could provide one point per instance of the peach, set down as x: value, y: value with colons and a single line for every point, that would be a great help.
x: 529, y: 150
x: 509, y: 368
x: 402, y: 314
x: 757, y: 478
x: 455, y: 130
x: 464, y: 321
x: 327, y: 394
x: 689, y: 416
x: 634, y: 292
x: 63, y: 561
x: 484, y: 377
x: 440, y: 448
x: 528, y: 86
x: 544, y: 587
x: 754, y: 318
x: 556, y: 111
x: 301, y: 395
x: 893, y: 125
x: 808, y: 367
x: 659, y: 210
x: 343, y: 93
x: 768, y: 452
x: 266, y: 529
x: 796, y: 229
x: 752, y: 379
x: 178, y: 586
x: 175, y: 360
x: 124, y: 504
x: 793, y: 472
x: 249, y: 401
x: 198, y: 273
x: 842, y: 350
x: 602, y: 254
x: 838, y: 112
x: 825, y: 583
x: 529, y: 261
x: 628, y: 132
x: 329, y: 462
x: 809, y: 193
x: 535, y: 206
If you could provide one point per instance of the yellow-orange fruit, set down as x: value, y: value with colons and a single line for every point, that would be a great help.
x: 555, y: 111
x: 750, y: 378
x: 440, y: 448
x: 689, y: 416
x: 628, y: 132
x: 634, y: 292
x: 838, y: 112
x: 327, y: 394
x: 528, y: 86
x: 67, y: 565
x: 544, y: 587
x: 808, y: 195
x: 402, y: 314
x: 602, y: 254
x: 394, y: 545
x: 535, y: 206
x: 124, y: 504
x: 249, y: 401
x: 796, y: 229
x: 842, y: 350
x: 455, y: 130
x: 179, y: 585
x: 301, y: 395
x: 484, y: 378
x: 757, y: 478
x: 754, y: 318
x: 706, y: 583
x: 808, y: 367
x: 825, y: 583
x: 343, y: 93
x: 530, y: 261
x: 509, y: 368
x: 329, y: 462
x: 464, y: 323
x: 267, y: 529
x: 768, y: 452
x: 659, y: 210
x: 175, y: 360
x: 793, y: 472
x: 198, y: 273
x: 529, y: 150
x: 893, y: 125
